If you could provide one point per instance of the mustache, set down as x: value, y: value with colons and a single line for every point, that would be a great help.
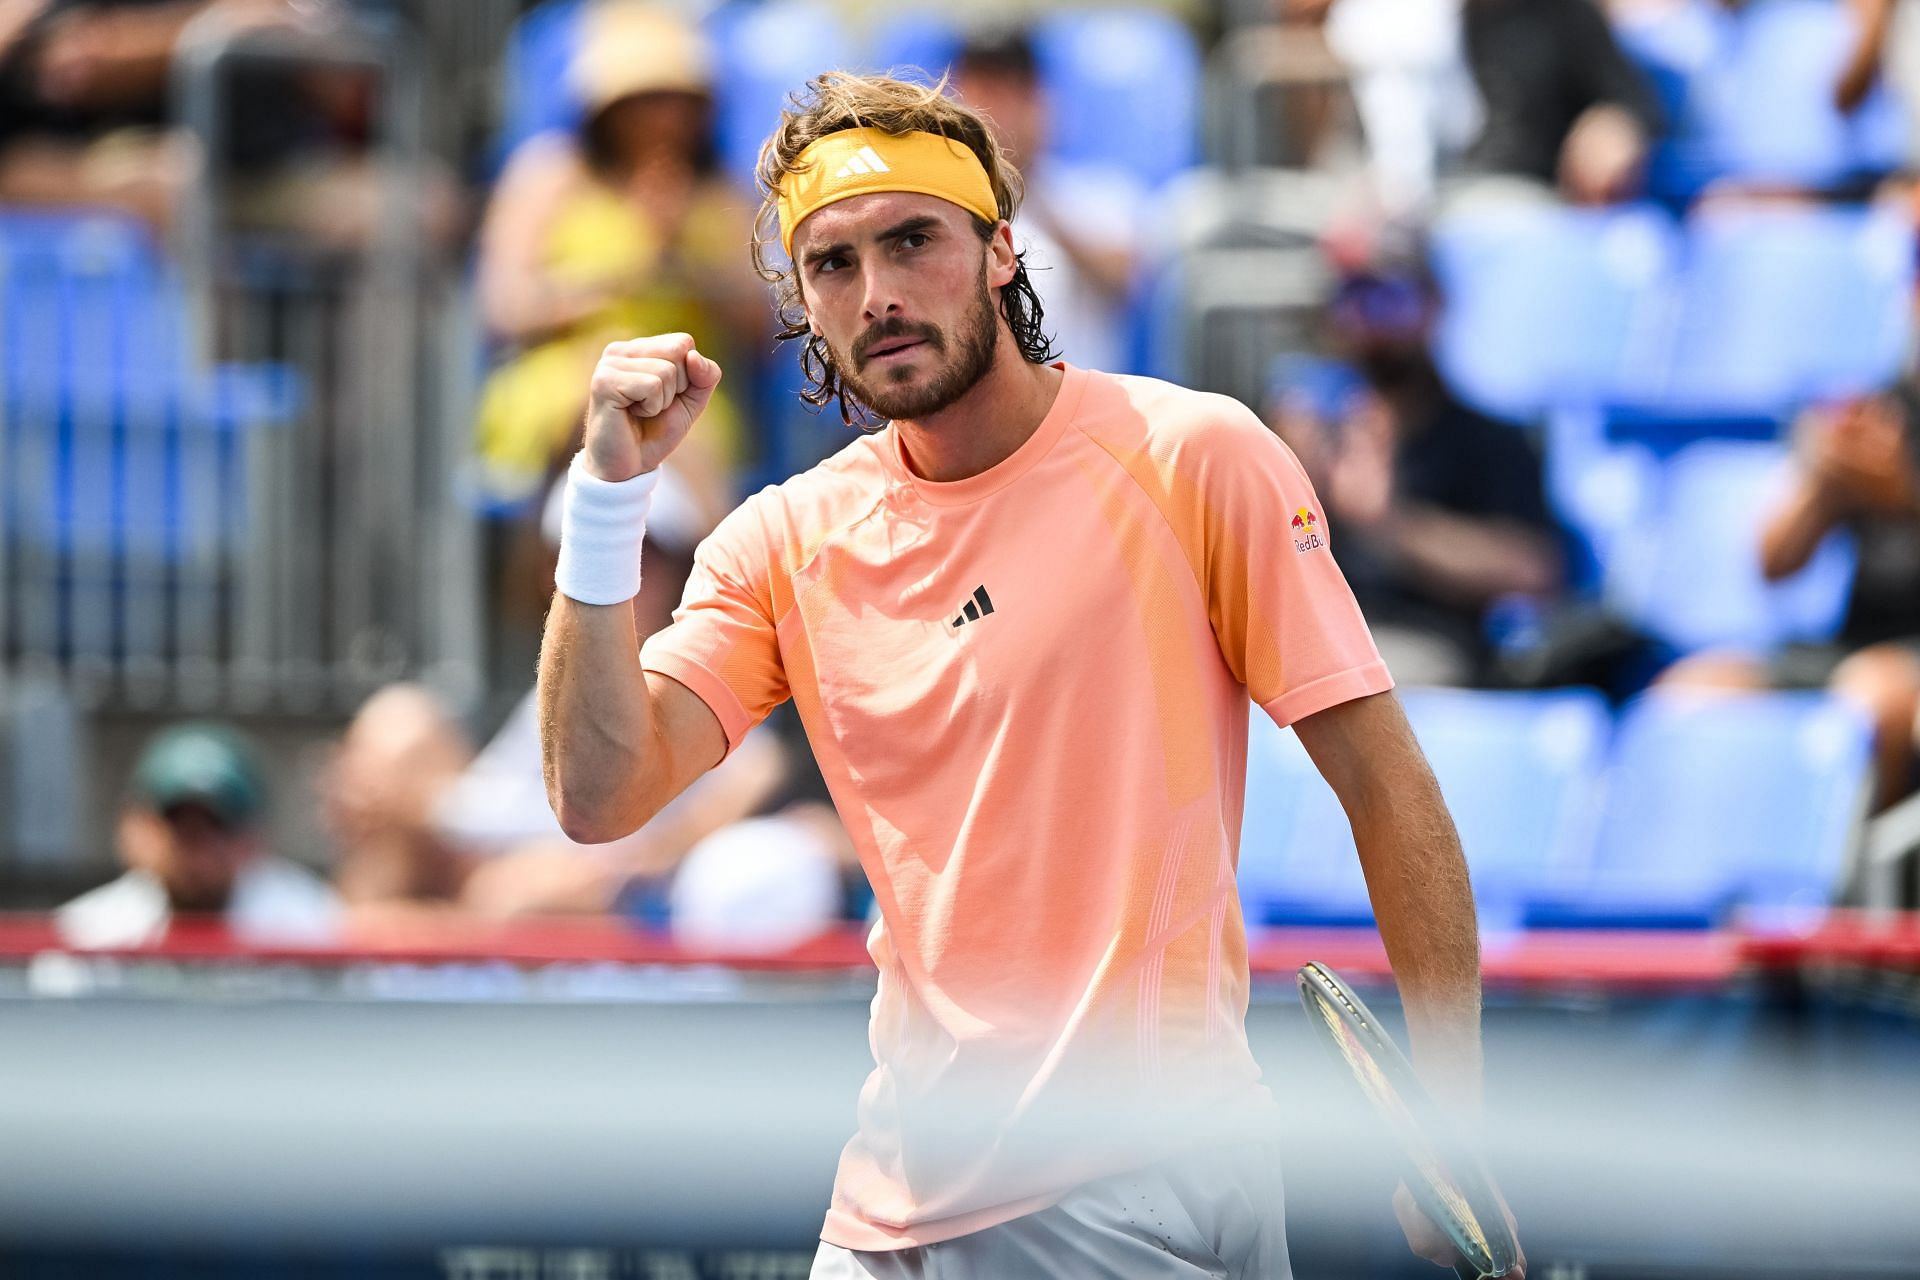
x: 895, y: 328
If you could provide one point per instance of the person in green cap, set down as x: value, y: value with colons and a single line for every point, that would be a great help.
x: 191, y: 837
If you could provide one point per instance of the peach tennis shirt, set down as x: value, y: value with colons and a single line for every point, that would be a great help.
x: 1027, y: 691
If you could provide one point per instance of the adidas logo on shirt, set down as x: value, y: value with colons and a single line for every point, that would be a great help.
x: 865, y: 160
x: 977, y: 608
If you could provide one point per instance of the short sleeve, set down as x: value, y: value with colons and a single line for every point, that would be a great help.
x: 722, y: 643
x: 1285, y: 619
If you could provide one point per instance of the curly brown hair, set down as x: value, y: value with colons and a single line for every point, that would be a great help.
x: 839, y: 100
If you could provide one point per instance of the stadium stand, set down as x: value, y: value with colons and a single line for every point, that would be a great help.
x: 1749, y: 94
x: 1695, y: 582
x: 1518, y: 770
x: 1718, y: 803
x: 1692, y: 808
x: 1734, y: 315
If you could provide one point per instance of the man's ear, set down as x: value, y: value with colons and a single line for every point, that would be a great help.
x: 800, y: 292
x: 1002, y: 262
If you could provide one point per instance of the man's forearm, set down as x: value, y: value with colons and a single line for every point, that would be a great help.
x: 595, y: 720
x: 1417, y: 878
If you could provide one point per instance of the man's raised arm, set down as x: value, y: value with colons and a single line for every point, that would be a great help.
x: 618, y: 743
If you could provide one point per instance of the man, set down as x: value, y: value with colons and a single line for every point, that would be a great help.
x: 1564, y: 109
x: 1443, y: 510
x: 191, y: 837
x: 1080, y: 225
x: 1020, y: 623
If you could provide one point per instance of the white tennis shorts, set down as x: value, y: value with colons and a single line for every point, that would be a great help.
x: 1213, y: 1212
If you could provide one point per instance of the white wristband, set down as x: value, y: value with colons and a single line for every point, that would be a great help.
x: 601, y: 525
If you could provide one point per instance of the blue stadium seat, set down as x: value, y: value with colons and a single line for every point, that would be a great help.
x: 539, y: 51
x: 1720, y: 802
x: 1748, y: 96
x: 1517, y: 770
x: 1693, y: 580
x: 1547, y: 306
x: 767, y: 53
x: 117, y: 445
x: 915, y: 39
x: 1602, y: 489
x: 1774, y: 119
x: 1779, y: 306
x: 1297, y: 860
x: 1123, y: 89
x: 1677, y: 46
x: 764, y: 52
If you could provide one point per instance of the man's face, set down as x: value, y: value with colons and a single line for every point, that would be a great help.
x: 647, y: 125
x: 899, y: 286
x: 189, y: 850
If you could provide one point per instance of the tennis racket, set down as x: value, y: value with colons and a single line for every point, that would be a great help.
x: 1445, y: 1176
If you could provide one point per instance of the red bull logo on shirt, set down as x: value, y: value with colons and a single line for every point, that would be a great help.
x: 1306, y: 530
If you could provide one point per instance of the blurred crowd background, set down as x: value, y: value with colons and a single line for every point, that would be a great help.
x: 1591, y: 321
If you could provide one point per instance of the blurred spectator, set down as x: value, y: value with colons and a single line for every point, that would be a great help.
x: 1563, y: 108
x: 84, y: 120
x: 191, y: 837
x: 429, y: 828
x: 1867, y: 56
x: 1411, y: 86
x: 1437, y: 511
x: 83, y: 89
x: 1857, y: 468
x: 625, y: 227
x: 1079, y: 227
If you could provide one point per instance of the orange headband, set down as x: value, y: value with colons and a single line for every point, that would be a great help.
x: 856, y: 162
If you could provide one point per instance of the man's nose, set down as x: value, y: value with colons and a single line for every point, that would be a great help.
x: 880, y: 296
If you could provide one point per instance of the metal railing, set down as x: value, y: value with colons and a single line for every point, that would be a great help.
x: 230, y: 475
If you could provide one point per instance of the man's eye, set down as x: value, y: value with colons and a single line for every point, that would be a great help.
x: 826, y: 265
x: 914, y: 240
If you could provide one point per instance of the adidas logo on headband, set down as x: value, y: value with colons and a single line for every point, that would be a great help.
x: 847, y: 163
x: 865, y: 160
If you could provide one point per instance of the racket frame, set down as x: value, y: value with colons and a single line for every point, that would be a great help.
x: 1321, y: 987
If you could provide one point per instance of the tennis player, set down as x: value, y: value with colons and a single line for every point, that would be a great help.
x: 1021, y: 622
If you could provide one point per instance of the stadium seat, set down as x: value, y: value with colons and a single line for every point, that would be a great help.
x: 1547, y: 306
x: 764, y: 51
x: 1774, y: 119
x: 1517, y: 771
x: 1297, y: 860
x: 1748, y: 96
x: 1719, y: 802
x: 767, y: 53
x: 1676, y: 46
x: 1779, y: 306
x: 1691, y: 576
x: 1602, y: 489
x: 915, y: 39
x: 539, y: 51
x: 1123, y: 88
x: 117, y: 445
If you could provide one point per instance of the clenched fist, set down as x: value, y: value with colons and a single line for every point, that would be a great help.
x: 645, y: 396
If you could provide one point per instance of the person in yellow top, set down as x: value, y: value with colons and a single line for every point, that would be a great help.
x: 624, y: 226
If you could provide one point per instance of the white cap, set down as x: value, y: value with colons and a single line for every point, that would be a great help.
x: 766, y: 884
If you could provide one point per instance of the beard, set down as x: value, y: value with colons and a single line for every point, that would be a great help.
x: 969, y: 357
